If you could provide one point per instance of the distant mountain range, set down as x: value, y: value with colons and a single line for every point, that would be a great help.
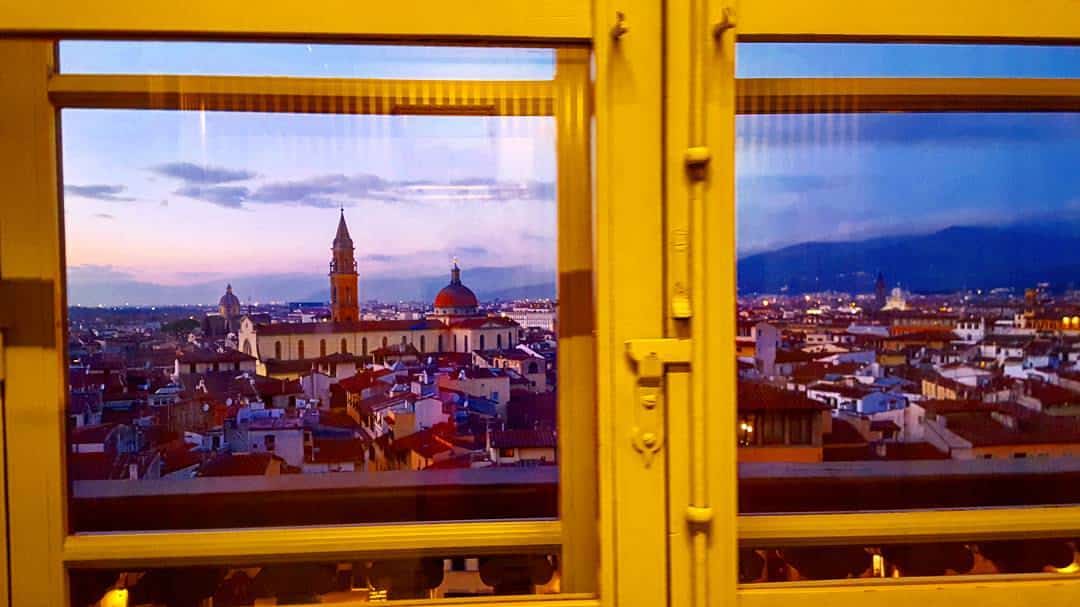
x: 488, y: 283
x: 961, y: 257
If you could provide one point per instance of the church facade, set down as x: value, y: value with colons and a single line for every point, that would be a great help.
x: 457, y: 325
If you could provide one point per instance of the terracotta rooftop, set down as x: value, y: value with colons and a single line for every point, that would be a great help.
x: 212, y: 356
x: 237, y: 464
x: 523, y: 439
x: 760, y: 397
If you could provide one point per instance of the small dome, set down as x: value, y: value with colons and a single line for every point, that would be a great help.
x: 228, y: 300
x: 455, y: 294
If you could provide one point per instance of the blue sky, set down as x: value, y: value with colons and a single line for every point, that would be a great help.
x: 182, y: 197
x: 853, y: 176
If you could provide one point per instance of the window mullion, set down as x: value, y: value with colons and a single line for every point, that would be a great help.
x: 853, y: 20
x: 853, y: 95
x: 302, y: 95
x: 305, y: 543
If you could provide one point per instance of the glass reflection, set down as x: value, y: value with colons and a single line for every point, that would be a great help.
x: 907, y: 290
x: 275, y: 309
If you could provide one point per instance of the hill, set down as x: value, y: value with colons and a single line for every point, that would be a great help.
x: 960, y: 257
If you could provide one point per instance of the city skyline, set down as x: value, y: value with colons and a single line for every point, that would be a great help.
x: 223, y: 182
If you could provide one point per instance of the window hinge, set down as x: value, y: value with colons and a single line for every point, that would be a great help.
x: 699, y: 515
x: 697, y: 159
x: 651, y: 357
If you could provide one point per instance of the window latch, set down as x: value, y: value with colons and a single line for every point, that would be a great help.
x: 652, y: 357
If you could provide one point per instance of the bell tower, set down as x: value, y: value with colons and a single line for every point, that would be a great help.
x: 344, y: 297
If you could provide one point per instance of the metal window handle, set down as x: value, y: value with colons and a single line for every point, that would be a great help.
x: 651, y: 357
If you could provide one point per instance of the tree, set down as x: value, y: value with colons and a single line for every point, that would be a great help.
x: 179, y: 327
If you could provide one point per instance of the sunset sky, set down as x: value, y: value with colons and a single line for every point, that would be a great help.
x: 186, y: 197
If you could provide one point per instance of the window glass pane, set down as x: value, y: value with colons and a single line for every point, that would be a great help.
x: 910, y: 284
x: 306, y: 60
x: 360, y: 580
x: 804, y: 563
x: 269, y: 311
x: 846, y: 60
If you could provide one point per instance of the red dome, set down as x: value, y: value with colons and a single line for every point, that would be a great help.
x: 455, y: 294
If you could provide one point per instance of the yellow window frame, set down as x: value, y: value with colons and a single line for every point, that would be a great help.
x: 30, y: 233
x: 704, y: 97
x: 639, y: 159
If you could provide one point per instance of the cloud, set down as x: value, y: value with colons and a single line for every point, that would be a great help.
x: 536, y: 238
x: 192, y: 173
x: 228, y: 196
x: 333, y: 190
x: 88, y: 273
x: 314, y: 191
x: 541, y: 190
x: 379, y: 257
x: 473, y: 181
x: 108, y: 192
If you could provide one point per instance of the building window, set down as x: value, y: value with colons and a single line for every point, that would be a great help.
x: 300, y: 349
x: 404, y: 340
x: 772, y: 429
x: 384, y: 342
x: 423, y: 344
x: 363, y: 346
x: 800, y: 430
x: 498, y: 341
x: 344, y: 346
x: 247, y: 347
x: 455, y: 343
x: 269, y: 442
x: 466, y: 343
x: 277, y: 350
x: 481, y: 342
x: 533, y: 368
x: 440, y: 344
x: 322, y: 348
